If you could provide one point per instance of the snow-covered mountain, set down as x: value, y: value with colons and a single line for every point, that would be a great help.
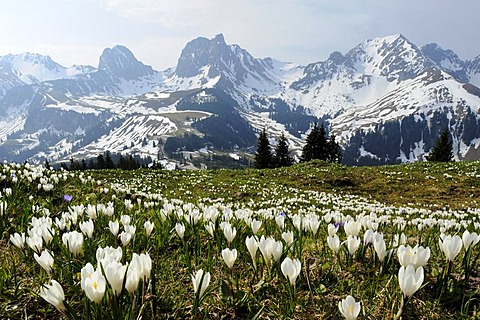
x: 31, y: 68
x: 386, y: 100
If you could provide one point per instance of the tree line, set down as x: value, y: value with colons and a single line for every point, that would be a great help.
x: 107, y: 161
x: 318, y: 145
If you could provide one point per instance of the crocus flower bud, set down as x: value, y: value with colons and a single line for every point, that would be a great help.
x: 229, y: 256
x: 199, y: 283
x: 252, y: 246
x: 291, y: 269
x: 451, y: 246
x: 53, y: 294
x: 180, y: 229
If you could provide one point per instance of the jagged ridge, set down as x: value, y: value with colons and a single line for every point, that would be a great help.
x: 380, y: 85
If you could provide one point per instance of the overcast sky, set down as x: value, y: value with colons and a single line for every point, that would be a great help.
x: 301, y: 31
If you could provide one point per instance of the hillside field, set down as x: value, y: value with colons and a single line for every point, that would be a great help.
x: 128, y: 244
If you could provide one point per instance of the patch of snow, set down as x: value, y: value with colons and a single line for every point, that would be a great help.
x: 74, y: 107
x: 234, y: 156
x: 364, y: 153
x: 10, y: 126
x: 137, y: 134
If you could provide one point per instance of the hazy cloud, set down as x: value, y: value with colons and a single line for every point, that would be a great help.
x: 301, y: 31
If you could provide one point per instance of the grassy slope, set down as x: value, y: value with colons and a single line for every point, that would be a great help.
x: 453, y: 185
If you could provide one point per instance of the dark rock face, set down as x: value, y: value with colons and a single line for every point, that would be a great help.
x: 120, y: 63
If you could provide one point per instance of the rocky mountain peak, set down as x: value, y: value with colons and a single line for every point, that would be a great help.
x: 393, y: 57
x: 208, y: 59
x: 120, y: 63
x: 200, y: 53
x: 447, y: 60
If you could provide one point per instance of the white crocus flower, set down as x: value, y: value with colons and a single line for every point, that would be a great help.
x: 352, y: 244
x: 255, y: 225
x: 180, y: 229
x: 229, y: 257
x: 349, y: 308
x: 291, y: 269
x: 148, y: 225
x: 115, y: 273
x: 469, y: 239
x: 18, y: 240
x: 450, y: 246
x: 334, y: 243
x: 53, y: 294
x: 45, y: 260
x: 200, y: 284
x: 410, y: 279
x: 94, y: 286
x: 252, y: 246
x: 114, y: 227
x: 229, y: 232
x: 87, y: 228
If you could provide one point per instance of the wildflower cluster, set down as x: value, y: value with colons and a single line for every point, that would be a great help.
x: 119, y: 249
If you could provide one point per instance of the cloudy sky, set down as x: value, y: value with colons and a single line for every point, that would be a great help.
x: 302, y: 31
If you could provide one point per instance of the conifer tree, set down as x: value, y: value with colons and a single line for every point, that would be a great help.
x: 108, y: 161
x: 263, y: 155
x: 442, y: 151
x: 91, y: 164
x: 334, y: 150
x: 122, y: 163
x: 315, y: 145
x: 319, y: 146
x: 83, y: 165
x: 100, y: 162
x: 282, y: 156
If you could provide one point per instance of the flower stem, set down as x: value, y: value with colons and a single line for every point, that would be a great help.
x: 400, y: 310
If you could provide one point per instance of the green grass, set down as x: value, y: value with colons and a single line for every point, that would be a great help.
x: 455, y: 185
x: 402, y: 194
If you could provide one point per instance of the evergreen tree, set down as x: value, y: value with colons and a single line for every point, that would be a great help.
x: 334, y: 150
x: 282, y: 156
x: 74, y: 165
x: 315, y: 144
x: 263, y: 155
x: 122, y: 163
x: 100, y: 162
x: 308, y: 148
x: 83, y: 165
x: 108, y: 161
x: 442, y: 151
x: 91, y: 164
x: 319, y: 146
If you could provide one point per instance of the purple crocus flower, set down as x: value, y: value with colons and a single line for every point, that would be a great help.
x: 338, y: 224
x: 67, y: 198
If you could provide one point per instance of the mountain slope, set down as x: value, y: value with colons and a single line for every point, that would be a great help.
x: 386, y: 100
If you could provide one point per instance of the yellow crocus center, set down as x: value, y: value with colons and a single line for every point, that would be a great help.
x: 95, y: 285
x: 351, y: 309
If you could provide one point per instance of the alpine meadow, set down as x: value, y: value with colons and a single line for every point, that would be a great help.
x: 314, y: 240
x: 234, y: 187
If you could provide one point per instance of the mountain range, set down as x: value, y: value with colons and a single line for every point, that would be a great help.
x: 386, y: 100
